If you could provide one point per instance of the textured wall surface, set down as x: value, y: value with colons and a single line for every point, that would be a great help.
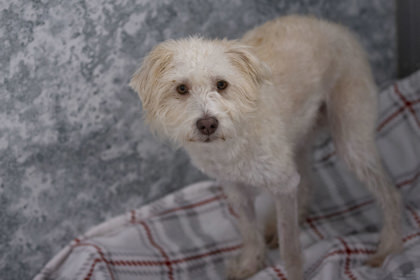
x: 73, y: 148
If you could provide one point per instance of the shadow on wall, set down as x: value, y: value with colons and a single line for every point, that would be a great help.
x: 74, y: 150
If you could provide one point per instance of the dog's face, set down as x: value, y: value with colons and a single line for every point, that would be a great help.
x: 199, y: 91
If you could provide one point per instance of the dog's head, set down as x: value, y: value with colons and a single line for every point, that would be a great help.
x: 197, y: 90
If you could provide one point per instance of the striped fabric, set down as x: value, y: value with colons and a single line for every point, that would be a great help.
x: 191, y: 234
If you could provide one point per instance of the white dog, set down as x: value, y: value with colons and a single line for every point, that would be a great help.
x: 246, y: 112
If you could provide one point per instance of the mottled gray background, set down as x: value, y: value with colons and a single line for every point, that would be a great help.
x: 73, y: 148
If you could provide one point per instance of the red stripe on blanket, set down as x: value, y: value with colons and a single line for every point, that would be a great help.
x: 101, y: 259
x: 317, y: 264
x: 92, y: 267
x: 176, y: 261
x: 338, y: 213
x: 340, y: 252
x: 415, y: 215
x: 133, y: 218
x: 411, y: 236
x: 408, y: 104
x: 160, y: 249
x: 314, y: 228
x: 348, y: 252
x: 159, y: 263
x: 409, y: 181
x: 279, y: 274
x: 390, y: 118
x: 136, y: 263
x: 214, y: 252
x: 200, y: 203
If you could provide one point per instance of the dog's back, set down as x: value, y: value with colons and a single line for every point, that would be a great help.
x: 316, y: 65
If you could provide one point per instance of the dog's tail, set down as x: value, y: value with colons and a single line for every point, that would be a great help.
x: 352, y: 110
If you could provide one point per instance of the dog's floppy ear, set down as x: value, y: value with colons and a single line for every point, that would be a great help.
x: 145, y: 80
x: 242, y: 57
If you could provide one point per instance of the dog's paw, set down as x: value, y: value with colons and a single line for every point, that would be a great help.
x: 376, y: 260
x: 271, y: 240
x: 271, y: 237
x: 245, y: 265
x: 302, y: 215
x: 384, y: 250
x: 270, y: 234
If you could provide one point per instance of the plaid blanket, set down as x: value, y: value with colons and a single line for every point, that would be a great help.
x: 191, y: 234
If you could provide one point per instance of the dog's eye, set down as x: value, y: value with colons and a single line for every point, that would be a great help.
x: 221, y: 85
x: 182, y: 89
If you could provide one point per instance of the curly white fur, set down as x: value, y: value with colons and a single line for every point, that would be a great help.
x: 285, y: 78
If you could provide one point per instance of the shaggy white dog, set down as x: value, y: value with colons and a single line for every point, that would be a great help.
x: 247, y: 111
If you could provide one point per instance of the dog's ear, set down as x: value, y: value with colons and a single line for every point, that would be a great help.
x: 145, y: 80
x: 242, y: 57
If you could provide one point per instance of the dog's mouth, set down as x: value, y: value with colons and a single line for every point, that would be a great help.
x: 207, y: 139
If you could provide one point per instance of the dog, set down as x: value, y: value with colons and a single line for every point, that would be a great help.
x: 246, y: 111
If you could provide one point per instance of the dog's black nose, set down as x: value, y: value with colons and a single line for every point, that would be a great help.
x: 207, y: 125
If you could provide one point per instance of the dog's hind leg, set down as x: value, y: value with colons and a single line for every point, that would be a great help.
x: 352, y: 116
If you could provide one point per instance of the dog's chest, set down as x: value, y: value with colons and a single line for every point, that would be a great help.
x: 235, y: 165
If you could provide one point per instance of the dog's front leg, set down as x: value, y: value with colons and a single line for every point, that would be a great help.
x: 286, y: 201
x: 251, y: 257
